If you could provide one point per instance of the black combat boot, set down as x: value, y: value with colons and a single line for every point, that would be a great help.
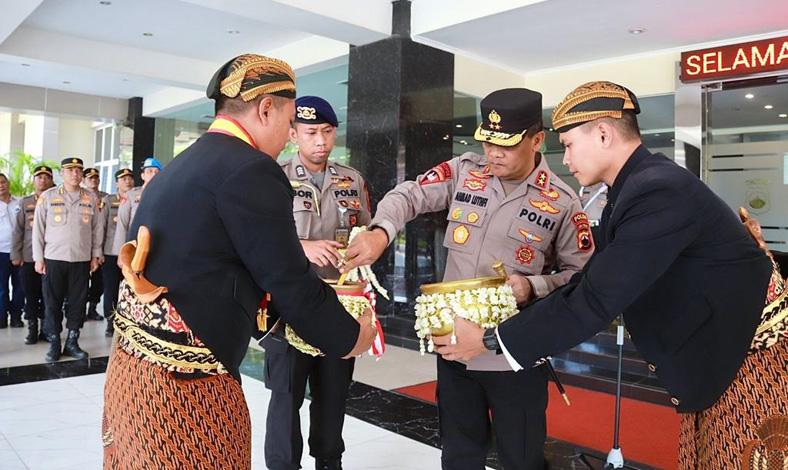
x: 92, y: 313
x: 54, y: 348
x: 71, y: 348
x: 328, y: 464
x: 32, y: 331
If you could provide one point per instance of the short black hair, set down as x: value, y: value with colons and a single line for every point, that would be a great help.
x: 627, y: 124
x: 4, y: 176
x: 237, y: 105
x: 535, y: 128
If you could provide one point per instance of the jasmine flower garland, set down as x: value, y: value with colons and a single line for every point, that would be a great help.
x: 486, y: 307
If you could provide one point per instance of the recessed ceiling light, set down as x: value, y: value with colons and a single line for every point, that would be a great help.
x: 147, y: 35
x: 768, y: 106
x: 233, y: 31
x: 656, y: 135
x: 749, y: 96
x: 783, y: 115
x: 25, y: 65
x: 637, y: 31
x: 458, y: 126
x: 66, y: 82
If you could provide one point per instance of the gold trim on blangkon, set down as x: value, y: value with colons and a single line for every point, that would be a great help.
x: 463, y: 284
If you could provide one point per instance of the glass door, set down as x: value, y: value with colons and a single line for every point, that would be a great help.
x: 746, y: 150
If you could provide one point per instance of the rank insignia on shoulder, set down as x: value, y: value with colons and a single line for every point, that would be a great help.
x: 456, y: 214
x: 461, y: 235
x: 529, y: 237
x: 524, y: 254
x: 551, y: 195
x: 543, y: 206
x: 332, y: 170
x: 300, y: 171
x: 474, y: 184
x: 437, y: 174
x: 541, y: 180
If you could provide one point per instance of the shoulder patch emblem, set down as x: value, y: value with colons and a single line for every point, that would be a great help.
x: 437, y: 174
x: 585, y: 241
x: 300, y: 171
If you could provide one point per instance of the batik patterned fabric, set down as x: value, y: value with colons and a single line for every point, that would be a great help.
x: 748, y: 426
x: 155, y: 420
x: 156, y: 333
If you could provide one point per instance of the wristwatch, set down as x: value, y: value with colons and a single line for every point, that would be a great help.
x: 490, y: 340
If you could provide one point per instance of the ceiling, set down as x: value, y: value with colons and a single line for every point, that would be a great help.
x: 558, y: 33
x: 88, y: 47
x: 178, y: 28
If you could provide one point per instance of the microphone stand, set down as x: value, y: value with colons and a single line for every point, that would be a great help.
x: 615, y: 458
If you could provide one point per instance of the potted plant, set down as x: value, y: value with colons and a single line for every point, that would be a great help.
x: 18, y: 167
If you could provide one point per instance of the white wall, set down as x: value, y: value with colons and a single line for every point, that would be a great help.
x: 645, y: 75
x: 475, y: 78
x: 76, y: 137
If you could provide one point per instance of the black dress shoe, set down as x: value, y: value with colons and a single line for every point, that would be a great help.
x: 17, y: 323
x: 3, y: 324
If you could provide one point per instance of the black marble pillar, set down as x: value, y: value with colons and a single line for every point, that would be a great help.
x: 400, y: 112
x: 144, y: 138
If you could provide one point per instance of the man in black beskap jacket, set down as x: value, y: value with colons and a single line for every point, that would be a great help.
x: 221, y: 222
x: 671, y: 256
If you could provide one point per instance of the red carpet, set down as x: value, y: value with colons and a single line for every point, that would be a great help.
x: 649, y: 433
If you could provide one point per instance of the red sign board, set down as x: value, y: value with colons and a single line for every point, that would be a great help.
x: 735, y: 60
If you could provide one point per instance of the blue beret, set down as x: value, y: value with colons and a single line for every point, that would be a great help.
x: 315, y: 110
x: 151, y: 162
